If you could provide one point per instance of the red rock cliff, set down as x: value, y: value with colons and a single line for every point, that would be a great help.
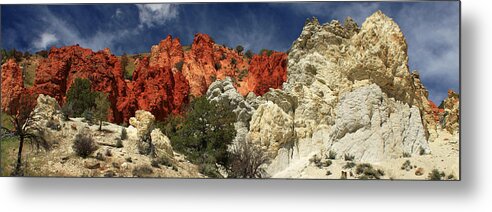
x: 162, y: 81
x: 55, y: 75
x: 12, y: 84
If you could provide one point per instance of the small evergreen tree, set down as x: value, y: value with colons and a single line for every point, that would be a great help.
x: 239, y: 48
x: 101, y: 109
x: 205, y: 133
x: 80, y: 96
x: 249, y: 54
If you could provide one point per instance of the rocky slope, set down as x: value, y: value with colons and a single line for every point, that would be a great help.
x: 109, y: 160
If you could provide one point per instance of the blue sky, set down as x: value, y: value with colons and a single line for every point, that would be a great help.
x: 431, y: 28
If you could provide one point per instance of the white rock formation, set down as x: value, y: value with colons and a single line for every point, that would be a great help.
x: 347, y: 90
x: 271, y: 128
x: 143, y: 122
x: 372, y: 127
x: 47, y: 110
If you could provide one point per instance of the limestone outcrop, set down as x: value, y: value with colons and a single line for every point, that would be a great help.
x: 348, y: 90
x: 271, y: 128
x: 143, y: 122
x: 47, y: 112
x: 371, y: 127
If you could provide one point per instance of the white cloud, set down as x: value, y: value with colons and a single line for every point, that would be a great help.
x: 58, y: 32
x: 118, y: 14
x: 156, y: 14
x: 45, y: 40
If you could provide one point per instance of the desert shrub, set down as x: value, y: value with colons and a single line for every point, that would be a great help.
x: 213, y: 78
x: 217, y: 66
x: 123, y: 62
x: 43, y: 53
x: 328, y: 173
x: 124, y: 134
x: 108, y: 153
x: 246, y: 159
x: 142, y: 171
x: 67, y: 111
x: 348, y: 157
x: 154, y: 163
x: 209, y: 170
x: 332, y: 155
x: 179, y: 65
x: 406, y: 165
x: 243, y: 74
x: 88, y: 116
x: 84, y: 145
x: 349, y: 165
x: 436, y: 175
x: 316, y: 160
x: 53, y: 125
x: 80, y: 96
x: 326, y: 163
x: 368, y: 172
x: 144, y: 145
x: 421, y: 151
x: 249, y: 54
x: 239, y: 48
x: 233, y: 61
x: 451, y: 177
x: 407, y: 155
x: 99, y: 156
x: 119, y: 143
x: 11, y: 54
x: 266, y: 51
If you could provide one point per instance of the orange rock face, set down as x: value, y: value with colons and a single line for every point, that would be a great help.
x: 266, y: 72
x: 162, y: 81
x: 56, y: 74
x: 12, y: 84
x: 207, y: 61
x: 159, y: 90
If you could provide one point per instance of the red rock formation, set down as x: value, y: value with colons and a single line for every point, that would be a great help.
x: 12, y: 84
x: 56, y: 74
x: 158, y: 89
x: 266, y: 72
x: 436, y: 112
x: 207, y: 61
x: 162, y: 81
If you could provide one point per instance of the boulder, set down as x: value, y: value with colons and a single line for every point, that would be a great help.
x: 47, y: 112
x: 143, y: 122
x: 271, y: 128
